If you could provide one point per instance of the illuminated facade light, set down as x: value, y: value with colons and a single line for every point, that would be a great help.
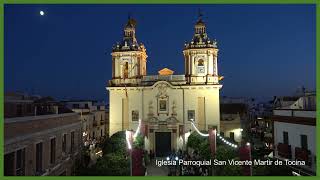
x: 128, y: 133
x: 138, y: 130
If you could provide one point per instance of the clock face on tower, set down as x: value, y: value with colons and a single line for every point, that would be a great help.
x: 201, y: 69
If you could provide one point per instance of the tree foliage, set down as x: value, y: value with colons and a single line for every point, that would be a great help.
x: 115, y: 144
x: 139, y: 142
x: 194, y: 140
x: 115, y: 164
x: 225, y: 153
x: 114, y: 161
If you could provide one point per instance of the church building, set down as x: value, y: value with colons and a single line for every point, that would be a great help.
x: 165, y: 102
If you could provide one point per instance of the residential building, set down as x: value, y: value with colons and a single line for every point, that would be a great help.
x: 46, y: 144
x: 18, y: 104
x: 232, y: 118
x: 92, y: 114
x: 295, y: 132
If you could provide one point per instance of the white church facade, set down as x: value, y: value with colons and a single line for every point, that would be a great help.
x: 166, y: 103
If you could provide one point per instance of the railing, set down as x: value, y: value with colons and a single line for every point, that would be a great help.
x: 165, y: 78
x: 284, y: 150
x: 302, y: 155
x: 294, y: 113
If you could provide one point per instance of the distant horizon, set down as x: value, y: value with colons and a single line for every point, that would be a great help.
x: 264, y: 50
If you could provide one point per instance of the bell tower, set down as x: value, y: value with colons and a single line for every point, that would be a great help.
x: 128, y: 58
x: 201, y: 57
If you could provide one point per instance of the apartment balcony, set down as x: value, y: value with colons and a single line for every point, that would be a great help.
x: 284, y: 150
x: 303, y: 155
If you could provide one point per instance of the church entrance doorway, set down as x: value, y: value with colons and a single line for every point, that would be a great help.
x: 163, y: 144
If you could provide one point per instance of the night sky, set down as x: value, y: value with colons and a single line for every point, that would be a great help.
x: 265, y: 50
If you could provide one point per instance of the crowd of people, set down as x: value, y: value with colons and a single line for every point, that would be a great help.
x: 187, y: 170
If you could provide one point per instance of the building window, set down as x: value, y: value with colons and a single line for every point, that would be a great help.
x: 64, y: 143
x: 125, y: 70
x: 135, y: 115
x: 163, y: 105
x: 86, y: 106
x: 76, y: 106
x: 222, y: 134
x: 232, y: 136
x: 20, y: 162
x: 53, y: 150
x: 39, y: 152
x: 191, y: 114
x: 200, y: 62
x: 9, y: 164
x: 29, y: 108
x: 19, y: 110
x: 201, y: 66
x: 101, y: 133
x: 304, y: 141
x: 285, y: 137
x: 72, y: 142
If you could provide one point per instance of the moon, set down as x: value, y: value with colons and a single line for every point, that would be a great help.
x: 41, y: 13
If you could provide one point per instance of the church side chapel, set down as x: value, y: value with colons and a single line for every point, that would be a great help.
x: 165, y: 103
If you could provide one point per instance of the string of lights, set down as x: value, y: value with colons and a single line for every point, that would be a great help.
x: 128, y: 133
x: 218, y: 135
